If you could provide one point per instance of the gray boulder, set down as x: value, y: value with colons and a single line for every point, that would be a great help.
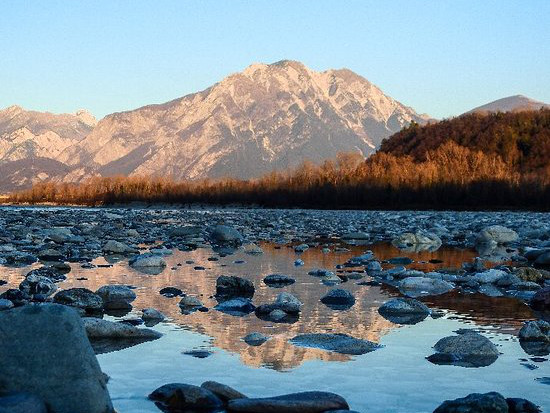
x: 179, y: 397
x: 84, y: 300
x: 475, y: 403
x: 497, y: 235
x: 404, y: 311
x: 467, y: 349
x: 423, y: 286
x: 147, y: 260
x: 255, y: 339
x: 418, y: 241
x: 45, y: 351
x: 36, y: 284
x: 338, y: 299
x: 116, y: 247
x: 236, y: 306
x: 306, y: 402
x: 226, y: 235
x: 538, y: 330
x: 99, y: 328
x: 231, y: 286
x: 5, y: 304
x: 339, y: 343
x: 116, y: 296
x: 223, y: 391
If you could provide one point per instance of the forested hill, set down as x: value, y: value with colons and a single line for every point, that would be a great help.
x: 521, y: 139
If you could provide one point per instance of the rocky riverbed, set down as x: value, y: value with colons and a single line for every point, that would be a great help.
x: 424, y: 306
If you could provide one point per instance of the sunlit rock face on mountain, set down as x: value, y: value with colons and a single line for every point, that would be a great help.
x: 268, y: 117
x: 31, y: 143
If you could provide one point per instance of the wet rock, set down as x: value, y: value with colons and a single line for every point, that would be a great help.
x: 190, y: 301
x: 116, y: 296
x: 116, y: 247
x: 467, y: 349
x: 179, y: 397
x: 152, y: 314
x: 224, y: 392
x: 46, y: 352
x: 534, y: 337
x: 517, y: 405
x: 171, y: 292
x: 51, y: 254
x: 19, y: 259
x: 255, y: 339
x: 338, y: 299
x: 5, y: 304
x: 149, y: 263
x: 84, y: 300
x: 490, y: 276
x: 231, y: 286
x: 226, y: 235
x: 301, y: 248
x: 236, y: 306
x: 339, y: 343
x: 306, y: 402
x: 36, y: 284
x: 475, y: 402
x: 16, y: 297
x: 253, y: 249
x: 22, y: 403
x: 496, y: 234
x: 285, y: 308
x: 423, y: 286
x: 404, y: 311
x: 278, y: 280
x: 99, y: 328
x: 416, y: 242
x: 47, y: 272
x: 198, y: 354
x: 363, y: 236
x: 541, y: 300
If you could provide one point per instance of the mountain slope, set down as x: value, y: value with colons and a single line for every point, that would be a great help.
x: 264, y: 118
x: 515, y: 103
x: 29, y: 134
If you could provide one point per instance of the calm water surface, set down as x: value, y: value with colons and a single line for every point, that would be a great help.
x: 395, y: 378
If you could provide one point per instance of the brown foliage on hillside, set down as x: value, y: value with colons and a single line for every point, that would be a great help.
x: 450, y: 176
x: 521, y: 139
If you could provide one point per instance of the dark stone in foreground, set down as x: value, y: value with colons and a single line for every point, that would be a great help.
x: 86, y: 301
x: 475, y: 403
x: 339, y: 343
x: 22, y: 403
x: 179, y: 397
x: 223, y: 391
x: 306, y: 402
x: 541, y: 300
x: 45, y: 351
x: 487, y: 403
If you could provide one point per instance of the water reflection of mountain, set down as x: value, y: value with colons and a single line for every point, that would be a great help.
x: 362, y: 320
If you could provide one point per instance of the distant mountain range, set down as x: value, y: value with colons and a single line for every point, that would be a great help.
x: 265, y: 118
x: 515, y: 103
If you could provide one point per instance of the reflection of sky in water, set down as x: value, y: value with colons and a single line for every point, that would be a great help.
x: 394, y: 378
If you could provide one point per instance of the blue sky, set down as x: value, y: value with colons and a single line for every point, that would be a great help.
x: 441, y: 57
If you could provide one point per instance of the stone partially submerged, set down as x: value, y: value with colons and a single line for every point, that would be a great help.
x: 418, y: 241
x: 423, y: 286
x: 467, y: 349
x: 45, y: 352
x: 339, y: 343
x: 107, y: 336
x: 404, y: 311
x: 305, y: 402
x: 179, y: 397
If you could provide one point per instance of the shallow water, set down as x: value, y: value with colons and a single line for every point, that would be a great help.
x: 395, y: 378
